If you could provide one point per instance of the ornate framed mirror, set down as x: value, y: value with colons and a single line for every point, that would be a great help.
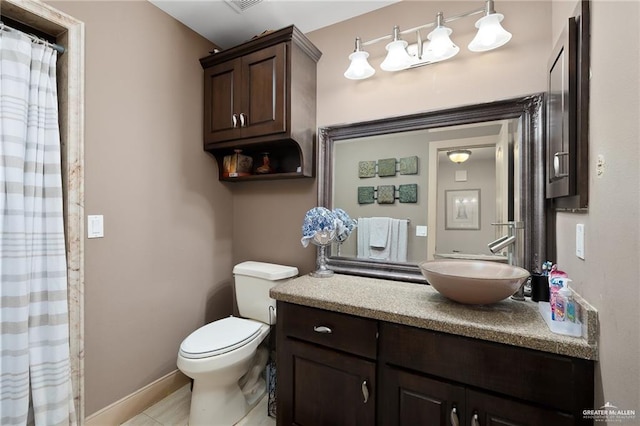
x: 357, y: 173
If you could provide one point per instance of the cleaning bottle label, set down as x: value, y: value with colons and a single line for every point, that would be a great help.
x: 560, y: 311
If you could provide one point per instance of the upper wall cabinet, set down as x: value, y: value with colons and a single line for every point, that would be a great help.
x: 567, y: 109
x: 260, y: 97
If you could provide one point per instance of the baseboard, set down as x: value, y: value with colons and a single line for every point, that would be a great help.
x: 135, y: 403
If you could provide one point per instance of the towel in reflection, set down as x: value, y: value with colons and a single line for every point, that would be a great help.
x: 382, y: 238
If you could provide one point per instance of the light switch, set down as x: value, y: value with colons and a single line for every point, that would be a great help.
x: 580, y: 240
x: 421, y: 231
x: 95, y: 226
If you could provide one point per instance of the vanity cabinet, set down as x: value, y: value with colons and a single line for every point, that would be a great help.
x: 260, y: 97
x: 326, y: 367
x: 339, y: 369
x: 436, y: 375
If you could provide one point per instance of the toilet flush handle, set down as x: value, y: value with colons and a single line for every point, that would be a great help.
x: 322, y: 329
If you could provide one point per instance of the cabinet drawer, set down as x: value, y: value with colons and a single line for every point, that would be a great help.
x: 518, y: 372
x: 338, y: 331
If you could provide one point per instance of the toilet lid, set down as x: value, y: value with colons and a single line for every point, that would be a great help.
x: 219, y: 337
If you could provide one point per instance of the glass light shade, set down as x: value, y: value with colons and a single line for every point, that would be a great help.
x: 490, y: 34
x: 459, y: 155
x: 397, y: 57
x: 440, y: 46
x: 359, y: 68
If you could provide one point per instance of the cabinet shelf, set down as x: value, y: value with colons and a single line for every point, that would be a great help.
x: 288, y: 158
x: 269, y: 176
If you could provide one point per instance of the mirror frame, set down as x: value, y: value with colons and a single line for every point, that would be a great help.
x: 533, y: 206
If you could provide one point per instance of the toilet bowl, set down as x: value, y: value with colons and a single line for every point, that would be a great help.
x: 223, y: 358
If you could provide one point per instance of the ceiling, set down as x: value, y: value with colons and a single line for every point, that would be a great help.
x: 226, y: 27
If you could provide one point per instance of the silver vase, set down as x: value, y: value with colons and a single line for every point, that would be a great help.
x: 322, y: 239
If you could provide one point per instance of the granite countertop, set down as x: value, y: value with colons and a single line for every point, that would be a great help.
x: 510, y: 322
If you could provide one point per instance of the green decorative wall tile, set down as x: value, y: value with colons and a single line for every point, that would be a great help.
x: 366, y: 169
x: 387, y: 167
x: 386, y: 194
x: 366, y: 194
x: 408, y: 193
x: 409, y: 165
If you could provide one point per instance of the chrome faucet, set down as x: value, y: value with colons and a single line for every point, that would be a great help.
x: 509, y: 242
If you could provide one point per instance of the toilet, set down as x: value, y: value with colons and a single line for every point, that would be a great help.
x: 224, y: 358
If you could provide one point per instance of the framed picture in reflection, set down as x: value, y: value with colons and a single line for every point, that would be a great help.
x: 462, y: 209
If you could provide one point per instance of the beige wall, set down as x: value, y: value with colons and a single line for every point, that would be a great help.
x: 164, y: 265
x: 267, y: 223
x: 609, y: 275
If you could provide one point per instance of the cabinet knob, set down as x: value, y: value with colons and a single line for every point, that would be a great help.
x: 454, y: 417
x: 475, y: 421
x: 234, y: 120
x: 365, y: 391
x: 322, y: 329
x: 243, y: 120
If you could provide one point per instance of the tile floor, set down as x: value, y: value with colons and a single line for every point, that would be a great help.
x: 174, y: 411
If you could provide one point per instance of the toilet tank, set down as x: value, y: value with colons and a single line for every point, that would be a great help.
x: 252, y: 283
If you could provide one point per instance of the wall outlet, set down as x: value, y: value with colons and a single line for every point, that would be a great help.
x: 600, y: 165
x: 580, y: 240
x: 421, y: 231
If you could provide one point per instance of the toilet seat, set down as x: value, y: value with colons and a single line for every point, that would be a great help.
x: 219, y: 337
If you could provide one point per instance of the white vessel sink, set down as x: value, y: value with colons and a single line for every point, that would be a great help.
x: 473, y: 282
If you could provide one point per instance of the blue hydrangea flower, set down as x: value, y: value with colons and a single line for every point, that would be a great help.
x: 319, y: 226
x: 345, y: 225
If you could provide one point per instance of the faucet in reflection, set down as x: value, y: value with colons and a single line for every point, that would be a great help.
x: 510, y: 243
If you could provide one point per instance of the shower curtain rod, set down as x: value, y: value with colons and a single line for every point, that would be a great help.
x: 56, y: 47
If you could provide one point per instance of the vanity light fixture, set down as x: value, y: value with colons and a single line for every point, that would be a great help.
x: 459, y: 155
x: 438, y: 47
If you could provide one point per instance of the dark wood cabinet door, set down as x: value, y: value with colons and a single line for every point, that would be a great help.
x: 264, y: 92
x: 408, y: 399
x: 561, y: 116
x: 488, y: 410
x: 322, y: 387
x: 222, y: 100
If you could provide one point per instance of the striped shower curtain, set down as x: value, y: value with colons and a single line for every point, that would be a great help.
x: 35, y: 384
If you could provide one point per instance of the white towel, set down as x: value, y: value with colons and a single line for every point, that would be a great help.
x: 379, y: 232
x: 394, y: 230
x: 363, y: 237
x: 395, y: 249
x: 380, y: 238
x: 402, y: 239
